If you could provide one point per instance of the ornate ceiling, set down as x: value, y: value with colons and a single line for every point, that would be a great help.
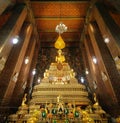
x: 49, y: 14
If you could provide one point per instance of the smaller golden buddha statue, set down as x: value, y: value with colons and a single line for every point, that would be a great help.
x: 46, y: 74
x: 24, y: 100
x: 95, y: 99
x: 96, y: 105
x: 72, y: 73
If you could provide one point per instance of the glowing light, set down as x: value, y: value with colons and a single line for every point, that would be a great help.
x: 26, y: 60
x: 34, y: 71
x: 94, y: 60
x: 106, y: 40
x: 86, y: 71
x: 15, y: 40
x: 39, y: 79
x: 82, y: 79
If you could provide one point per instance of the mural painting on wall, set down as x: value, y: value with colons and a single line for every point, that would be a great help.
x: 47, y: 56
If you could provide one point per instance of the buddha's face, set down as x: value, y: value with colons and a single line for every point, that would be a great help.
x: 59, y: 52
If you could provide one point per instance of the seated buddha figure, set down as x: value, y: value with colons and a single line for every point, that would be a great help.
x: 72, y: 73
x: 24, y: 100
x: 60, y: 58
x: 46, y: 74
x: 96, y: 104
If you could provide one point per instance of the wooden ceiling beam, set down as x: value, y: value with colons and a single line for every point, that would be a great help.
x: 59, y: 18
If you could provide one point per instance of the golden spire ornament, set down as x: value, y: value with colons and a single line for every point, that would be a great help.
x: 59, y: 44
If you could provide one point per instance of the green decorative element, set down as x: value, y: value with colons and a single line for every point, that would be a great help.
x: 54, y: 111
x: 44, y: 114
x: 66, y: 111
x: 76, y: 114
x: 54, y: 121
x: 66, y: 121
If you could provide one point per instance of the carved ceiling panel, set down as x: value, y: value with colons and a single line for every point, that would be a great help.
x: 49, y: 14
x: 57, y: 9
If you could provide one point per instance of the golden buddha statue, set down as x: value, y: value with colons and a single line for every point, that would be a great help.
x: 60, y: 58
x: 24, y: 100
x: 95, y: 98
x: 96, y: 105
x: 72, y: 73
x: 46, y: 74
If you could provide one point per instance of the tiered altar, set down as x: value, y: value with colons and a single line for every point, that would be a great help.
x: 59, y: 82
x: 59, y: 98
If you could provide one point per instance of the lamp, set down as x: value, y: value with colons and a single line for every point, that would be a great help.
x: 60, y: 28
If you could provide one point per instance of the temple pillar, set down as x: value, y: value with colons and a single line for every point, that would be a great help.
x: 31, y: 78
x: 88, y: 55
x: 105, y: 73
x: 9, y: 76
x: 23, y: 75
x: 112, y: 85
